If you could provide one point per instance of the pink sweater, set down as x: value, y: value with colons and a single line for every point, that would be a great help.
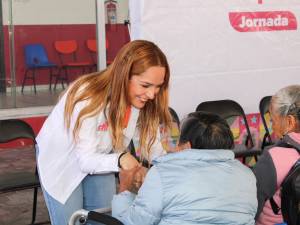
x: 283, y: 159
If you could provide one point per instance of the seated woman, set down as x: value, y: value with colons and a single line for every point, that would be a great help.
x: 202, y: 184
x: 273, y: 166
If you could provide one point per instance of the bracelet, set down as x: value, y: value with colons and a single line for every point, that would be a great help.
x: 119, y: 163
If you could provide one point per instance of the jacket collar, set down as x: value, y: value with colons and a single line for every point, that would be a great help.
x: 198, y: 155
x: 105, y: 141
x: 293, y: 138
x: 130, y: 129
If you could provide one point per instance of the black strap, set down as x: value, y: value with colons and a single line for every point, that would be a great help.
x: 131, y: 147
x: 103, y: 218
x: 288, y: 142
x: 119, y: 159
x: 274, y: 206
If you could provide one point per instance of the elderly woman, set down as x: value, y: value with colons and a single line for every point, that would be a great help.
x: 276, y: 162
x: 202, y: 184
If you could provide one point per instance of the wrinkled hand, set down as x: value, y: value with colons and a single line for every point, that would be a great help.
x: 127, y: 178
x: 139, y: 178
x: 132, y: 179
x: 128, y: 162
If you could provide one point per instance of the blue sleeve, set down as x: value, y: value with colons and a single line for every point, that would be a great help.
x: 144, y: 208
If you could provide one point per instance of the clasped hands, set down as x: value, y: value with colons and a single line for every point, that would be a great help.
x: 132, y: 174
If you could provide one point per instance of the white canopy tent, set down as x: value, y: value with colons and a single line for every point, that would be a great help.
x: 234, y: 49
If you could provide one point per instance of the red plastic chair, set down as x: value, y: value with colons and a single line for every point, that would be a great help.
x: 67, y: 54
x: 92, y: 47
x: 91, y: 44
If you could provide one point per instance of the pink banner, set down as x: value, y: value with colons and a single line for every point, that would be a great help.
x: 263, y: 21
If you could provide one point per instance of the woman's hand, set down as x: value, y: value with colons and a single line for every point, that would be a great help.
x: 139, y: 178
x: 128, y: 162
x: 127, y: 179
x: 132, y: 179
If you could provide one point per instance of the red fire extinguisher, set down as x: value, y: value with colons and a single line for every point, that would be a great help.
x: 111, y: 11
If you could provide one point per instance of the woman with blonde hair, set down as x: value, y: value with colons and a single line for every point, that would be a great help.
x: 85, y: 138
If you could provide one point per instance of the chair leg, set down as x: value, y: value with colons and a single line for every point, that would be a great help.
x: 61, y: 78
x: 66, y: 77
x: 92, y: 68
x: 50, y: 79
x: 33, y: 80
x: 34, y: 205
x: 62, y: 84
x: 57, y: 77
x: 24, y: 80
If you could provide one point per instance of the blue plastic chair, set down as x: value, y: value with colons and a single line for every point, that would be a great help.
x: 35, y: 59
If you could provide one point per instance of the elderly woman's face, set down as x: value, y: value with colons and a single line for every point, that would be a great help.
x: 278, y: 122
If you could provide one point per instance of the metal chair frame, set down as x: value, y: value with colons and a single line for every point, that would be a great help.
x: 100, y: 215
x: 91, y: 44
x: 263, y: 110
x: 10, y: 130
x: 36, y: 59
x: 69, y: 48
x: 226, y: 109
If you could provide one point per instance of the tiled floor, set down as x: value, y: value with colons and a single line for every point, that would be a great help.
x: 29, y: 99
x: 16, y: 207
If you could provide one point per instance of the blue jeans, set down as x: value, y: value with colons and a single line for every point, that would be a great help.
x: 95, y: 191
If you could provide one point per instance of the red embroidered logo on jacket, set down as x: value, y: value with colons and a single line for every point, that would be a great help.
x: 103, y: 127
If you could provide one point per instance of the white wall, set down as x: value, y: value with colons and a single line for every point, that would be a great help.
x: 211, y: 60
x: 32, y: 12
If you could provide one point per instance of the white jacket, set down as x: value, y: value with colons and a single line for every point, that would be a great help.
x: 63, y: 164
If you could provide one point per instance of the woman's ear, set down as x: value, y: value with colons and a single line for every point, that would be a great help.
x: 291, y: 123
x: 188, y: 144
x: 183, y: 146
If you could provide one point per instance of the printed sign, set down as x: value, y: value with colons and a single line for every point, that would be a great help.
x: 239, y: 50
x: 263, y: 21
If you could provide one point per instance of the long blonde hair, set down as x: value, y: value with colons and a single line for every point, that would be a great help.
x: 110, y: 88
